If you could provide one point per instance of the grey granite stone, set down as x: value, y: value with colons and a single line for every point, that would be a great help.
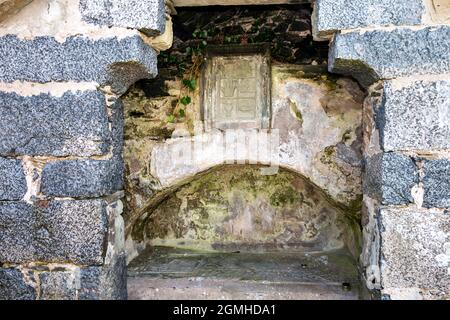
x: 415, y: 116
x: 71, y: 231
x: 16, y: 232
x: 414, y: 251
x: 14, y: 287
x: 147, y: 16
x: 58, y: 285
x: 75, y: 124
x: 117, y: 127
x: 108, y: 282
x: 53, y: 231
x: 436, y: 183
x: 389, y: 178
x: 13, y: 184
x: 333, y: 15
x: 110, y: 61
x: 83, y: 178
x: 385, y: 54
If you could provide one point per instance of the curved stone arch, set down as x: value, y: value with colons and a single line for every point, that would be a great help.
x: 136, y: 224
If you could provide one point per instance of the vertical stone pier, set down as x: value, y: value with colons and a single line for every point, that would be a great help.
x: 64, y: 64
x: 399, y: 50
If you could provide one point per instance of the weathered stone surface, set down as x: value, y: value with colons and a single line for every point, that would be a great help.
x: 16, y: 231
x: 75, y: 124
x: 237, y: 93
x: 147, y: 16
x: 437, y: 183
x: 9, y: 7
x: 55, y: 231
x: 110, y: 61
x: 334, y: 15
x: 415, y: 115
x: 384, y: 54
x: 389, y: 178
x: 13, y: 185
x: 82, y: 178
x: 250, y: 212
x: 316, y: 121
x: 14, y: 287
x: 440, y: 11
x: 58, y: 285
x: 414, y: 251
x: 108, y: 282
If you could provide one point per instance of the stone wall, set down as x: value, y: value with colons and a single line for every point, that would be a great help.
x: 317, y: 116
x: 400, y: 51
x: 64, y: 64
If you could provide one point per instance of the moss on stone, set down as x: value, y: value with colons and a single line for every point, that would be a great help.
x: 237, y: 206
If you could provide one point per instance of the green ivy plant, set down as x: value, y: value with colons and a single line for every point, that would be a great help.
x: 190, y: 70
x: 185, y: 100
x: 191, y: 84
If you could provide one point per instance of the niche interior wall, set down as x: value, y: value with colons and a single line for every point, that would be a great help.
x: 243, y: 74
x: 65, y: 64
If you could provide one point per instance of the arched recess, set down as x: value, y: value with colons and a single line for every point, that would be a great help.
x: 232, y: 224
x: 318, y: 116
x: 282, y: 186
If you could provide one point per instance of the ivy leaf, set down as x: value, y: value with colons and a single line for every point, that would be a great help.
x: 181, y: 113
x: 190, y: 83
x: 185, y: 100
x: 182, y: 67
x: 196, y: 32
x: 170, y: 119
x: 172, y: 59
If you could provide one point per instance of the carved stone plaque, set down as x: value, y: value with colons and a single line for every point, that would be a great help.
x: 237, y: 90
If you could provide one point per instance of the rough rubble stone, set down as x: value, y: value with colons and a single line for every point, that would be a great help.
x: 14, y: 287
x: 82, y: 178
x: 437, y: 183
x: 13, y: 185
x: 414, y: 250
x: 109, y: 61
x: 333, y: 15
x: 415, y: 115
x: 389, y: 178
x: 75, y: 124
x: 53, y: 231
x: 147, y: 16
x: 16, y: 232
x: 385, y: 54
x: 58, y: 285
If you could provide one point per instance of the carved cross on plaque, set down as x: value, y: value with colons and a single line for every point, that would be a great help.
x: 237, y: 88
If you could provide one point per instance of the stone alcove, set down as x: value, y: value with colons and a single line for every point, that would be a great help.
x: 306, y: 136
